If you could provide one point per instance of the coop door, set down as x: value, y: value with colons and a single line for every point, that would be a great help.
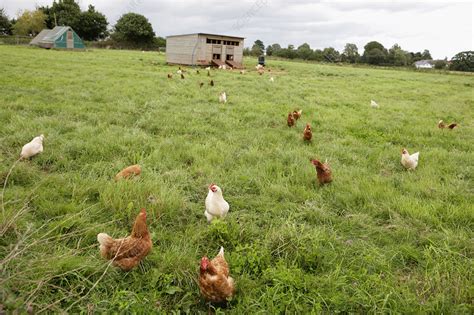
x: 70, y: 40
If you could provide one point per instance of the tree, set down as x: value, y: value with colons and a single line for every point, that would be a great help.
x: 257, y: 48
x: 463, y: 61
x: 133, y: 28
x: 440, y: 64
x: 332, y: 55
x: 317, y: 55
x: 350, y: 53
x: 304, y: 51
x: 63, y: 13
x: 5, y: 24
x: 269, y: 50
x: 92, y: 25
x: 397, y: 56
x: 29, y: 23
x: 374, y: 53
x: 426, y: 55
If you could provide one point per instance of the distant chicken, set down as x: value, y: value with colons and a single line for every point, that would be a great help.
x: 242, y: 71
x: 170, y: 76
x: 179, y: 71
x: 216, y: 206
x: 127, y: 252
x: 128, y: 172
x: 201, y: 84
x: 290, y: 120
x: 223, y: 98
x: 297, y: 114
x: 442, y: 125
x: 410, y: 162
x: 272, y: 79
x: 307, y: 133
x: 182, y: 76
x: 32, y: 148
x: 373, y: 104
x: 323, y: 172
x: 208, y: 68
x: 211, y: 83
x: 215, y: 283
x: 197, y: 72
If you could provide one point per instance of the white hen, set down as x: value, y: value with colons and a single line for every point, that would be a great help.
x: 223, y: 98
x: 410, y: 162
x: 32, y: 148
x: 216, y: 206
x: 272, y: 79
x: 374, y: 104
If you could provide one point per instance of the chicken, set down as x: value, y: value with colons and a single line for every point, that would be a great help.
x: 128, y: 172
x: 410, y: 162
x: 127, y: 252
x: 442, y: 125
x: 259, y: 67
x: 215, y: 283
x: 32, y: 148
x: 197, y: 72
x: 323, y: 171
x: 272, y: 79
x: 373, y: 104
x: 179, y: 71
x: 201, y: 84
x: 297, y: 114
x: 216, y: 206
x: 242, y: 71
x: 211, y: 83
x: 208, y: 68
x: 290, y: 120
x: 182, y: 76
x: 223, y: 98
x: 307, y: 133
x: 170, y: 76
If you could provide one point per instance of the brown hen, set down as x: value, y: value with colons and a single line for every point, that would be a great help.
x: 127, y: 252
x: 215, y: 283
x: 323, y: 171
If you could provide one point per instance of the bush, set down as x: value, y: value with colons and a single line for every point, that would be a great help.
x: 440, y: 64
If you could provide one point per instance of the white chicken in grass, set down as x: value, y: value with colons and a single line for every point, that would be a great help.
x: 216, y: 206
x: 32, y: 148
x: 272, y: 79
x: 223, y: 98
x: 410, y: 162
x: 374, y: 104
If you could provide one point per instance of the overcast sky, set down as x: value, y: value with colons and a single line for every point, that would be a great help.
x: 443, y: 27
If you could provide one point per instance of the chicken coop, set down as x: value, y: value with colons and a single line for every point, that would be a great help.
x: 205, y: 50
x: 58, y: 37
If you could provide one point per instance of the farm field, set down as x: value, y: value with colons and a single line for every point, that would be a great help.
x: 378, y: 239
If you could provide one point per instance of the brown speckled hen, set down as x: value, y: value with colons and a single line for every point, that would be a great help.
x: 323, y: 171
x: 215, y: 283
x: 127, y: 252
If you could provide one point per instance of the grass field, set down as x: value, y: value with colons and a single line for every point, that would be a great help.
x: 378, y: 239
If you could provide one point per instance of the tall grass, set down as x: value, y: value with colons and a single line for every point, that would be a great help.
x: 378, y: 239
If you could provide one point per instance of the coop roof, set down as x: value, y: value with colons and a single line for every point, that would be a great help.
x: 40, y: 36
x: 207, y: 34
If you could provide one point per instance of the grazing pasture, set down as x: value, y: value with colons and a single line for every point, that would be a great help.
x: 377, y: 239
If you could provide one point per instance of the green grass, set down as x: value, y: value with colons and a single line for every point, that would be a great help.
x: 378, y: 239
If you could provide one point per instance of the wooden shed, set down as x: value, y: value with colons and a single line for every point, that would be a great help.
x: 205, y: 49
x: 58, y: 37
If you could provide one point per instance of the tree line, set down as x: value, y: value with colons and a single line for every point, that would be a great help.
x: 374, y: 53
x: 131, y: 30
